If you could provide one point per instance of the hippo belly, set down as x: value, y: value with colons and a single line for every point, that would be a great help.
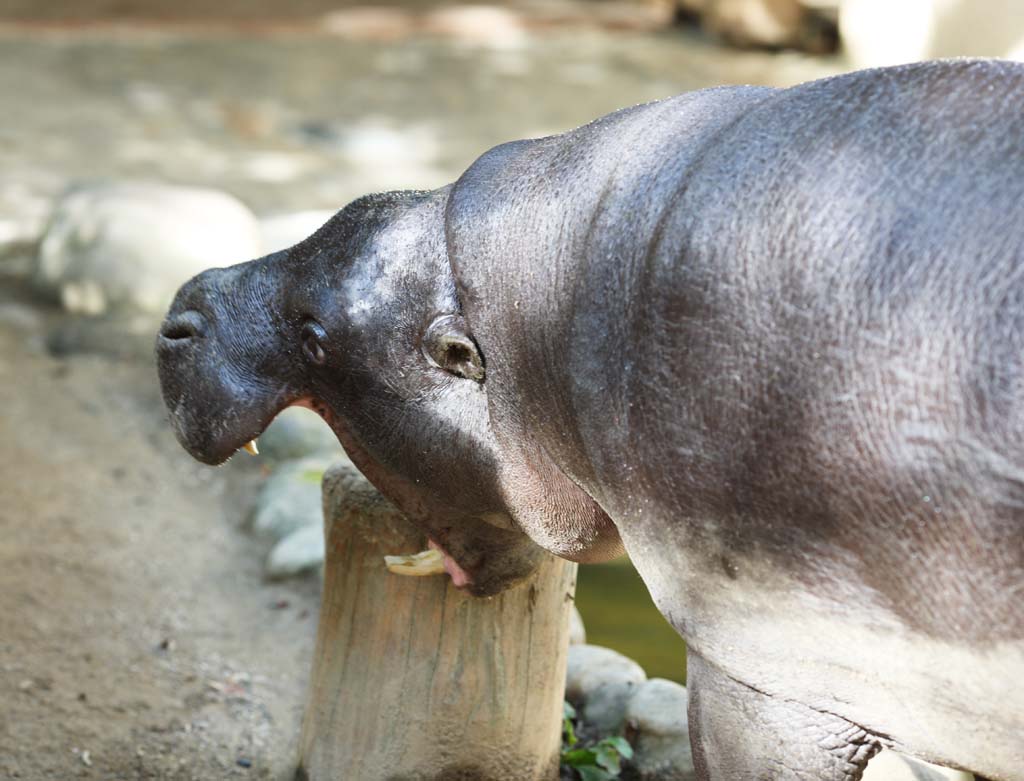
x: 941, y: 700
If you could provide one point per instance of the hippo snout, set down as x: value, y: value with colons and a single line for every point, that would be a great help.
x: 218, y: 327
x: 182, y: 327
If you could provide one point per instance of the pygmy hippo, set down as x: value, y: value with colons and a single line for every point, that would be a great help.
x: 770, y: 341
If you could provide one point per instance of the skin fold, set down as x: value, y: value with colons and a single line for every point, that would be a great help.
x: 768, y: 340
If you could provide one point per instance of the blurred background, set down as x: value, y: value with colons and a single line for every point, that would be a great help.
x: 156, y: 616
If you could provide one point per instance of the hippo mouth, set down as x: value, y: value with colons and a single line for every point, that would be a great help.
x: 435, y: 560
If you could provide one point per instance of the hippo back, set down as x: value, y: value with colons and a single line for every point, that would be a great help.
x: 777, y: 336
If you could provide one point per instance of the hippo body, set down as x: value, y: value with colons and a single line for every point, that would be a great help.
x: 771, y: 340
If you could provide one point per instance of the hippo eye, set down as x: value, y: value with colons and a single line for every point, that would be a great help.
x: 313, y: 337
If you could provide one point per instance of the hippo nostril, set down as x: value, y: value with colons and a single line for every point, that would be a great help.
x: 187, y: 325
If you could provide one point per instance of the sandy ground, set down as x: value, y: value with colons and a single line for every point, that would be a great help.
x: 137, y: 638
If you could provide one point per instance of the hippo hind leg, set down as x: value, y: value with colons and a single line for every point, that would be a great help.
x: 740, y: 734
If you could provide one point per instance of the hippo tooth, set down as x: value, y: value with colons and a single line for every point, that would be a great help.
x: 428, y: 562
x: 250, y: 448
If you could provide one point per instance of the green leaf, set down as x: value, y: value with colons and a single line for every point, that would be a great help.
x: 569, y: 734
x: 578, y: 757
x: 569, y: 738
x: 620, y: 744
x: 589, y: 773
x: 608, y: 758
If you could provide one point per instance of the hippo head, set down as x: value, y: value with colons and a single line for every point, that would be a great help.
x: 361, y: 323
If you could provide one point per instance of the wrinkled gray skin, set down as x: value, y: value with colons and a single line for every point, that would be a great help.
x: 771, y: 339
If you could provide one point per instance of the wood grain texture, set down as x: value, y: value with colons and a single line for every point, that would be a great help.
x: 413, y: 679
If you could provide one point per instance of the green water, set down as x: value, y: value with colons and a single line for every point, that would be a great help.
x: 618, y: 613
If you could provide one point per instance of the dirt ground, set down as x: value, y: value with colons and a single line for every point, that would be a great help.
x: 137, y: 637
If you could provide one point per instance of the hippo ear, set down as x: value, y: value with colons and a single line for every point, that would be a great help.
x: 448, y: 345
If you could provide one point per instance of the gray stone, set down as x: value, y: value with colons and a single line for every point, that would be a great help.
x: 301, y: 551
x: 123, y: 336
x: 890, y: 766
x: 599, y: 682
x: 290, y: 498
x: 656, y: 727
x: 129, y: 246
x: 295, y: 433
x: 20, y: 317
x: 577, y: 632
x: 281, y: 231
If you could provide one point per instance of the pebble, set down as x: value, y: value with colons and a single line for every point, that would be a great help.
x: 20, y: 317
x: 296, y: 433
x: 600, y: 682
x: 290, y: 498
x: 486, y: 26
x: 656, y: 726
x: 299, y: 552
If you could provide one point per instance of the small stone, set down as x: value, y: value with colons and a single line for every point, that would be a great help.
x: 129, y: 246
x: 20, y: 317
x: 296, y: 433
x: 299, y: 552
x: 577, y: 632
x: 123, y: 336
x: 600, y: 682
x: 290, y: 498
x: 487, y: 26
x: 369, y: 23
x: 656, y: 727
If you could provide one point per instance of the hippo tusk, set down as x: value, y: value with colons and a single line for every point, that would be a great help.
x: 250, y: 448
x: 428, y: 562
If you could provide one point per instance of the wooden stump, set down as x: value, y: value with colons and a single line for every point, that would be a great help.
x: 413, y: 679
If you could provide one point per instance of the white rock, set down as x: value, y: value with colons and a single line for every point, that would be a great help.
x: 883, y: 32
x: 890, y: 766
x: 577, y: 632
x: 600, y: 682
x: 369, y: 23
x: 129, y: 246
x: 290, y: 498
x: 301, y: 551
x: 487, y: 26
x: 296, y: 433
x: 657, y: 728
x: 281, y: 231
